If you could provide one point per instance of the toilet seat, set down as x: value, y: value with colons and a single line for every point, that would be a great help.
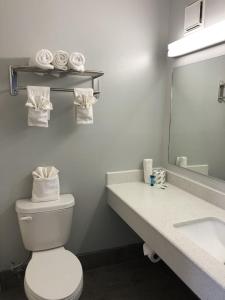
x: 54, y: 275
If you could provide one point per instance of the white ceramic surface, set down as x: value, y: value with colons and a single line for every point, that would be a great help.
x: 152, y: 213
x: 45, y: 225
x: 208, y: 234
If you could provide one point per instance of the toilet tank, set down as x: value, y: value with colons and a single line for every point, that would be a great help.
x: 45, y: 225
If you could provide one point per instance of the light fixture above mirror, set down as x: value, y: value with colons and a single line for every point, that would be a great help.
x: 201, y: 39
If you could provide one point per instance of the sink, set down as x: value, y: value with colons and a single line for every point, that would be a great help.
x: 208, y: 234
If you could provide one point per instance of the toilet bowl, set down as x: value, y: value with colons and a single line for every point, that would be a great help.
x: 53, y: 275
x: 53, y: 272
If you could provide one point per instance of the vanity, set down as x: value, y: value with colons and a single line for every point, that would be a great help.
x: 185, y: 223
x: 186, y: 231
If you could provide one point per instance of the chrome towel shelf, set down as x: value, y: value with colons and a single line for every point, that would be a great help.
x: 13, y: 80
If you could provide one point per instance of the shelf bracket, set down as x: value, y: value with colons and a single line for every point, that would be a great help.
x: 13, y: 81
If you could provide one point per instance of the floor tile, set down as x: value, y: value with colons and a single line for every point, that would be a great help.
x: 132, y: 280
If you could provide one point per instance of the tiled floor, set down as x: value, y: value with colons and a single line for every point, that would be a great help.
x: 133, y: 280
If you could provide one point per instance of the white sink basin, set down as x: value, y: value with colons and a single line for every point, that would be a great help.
x: 209, y: 234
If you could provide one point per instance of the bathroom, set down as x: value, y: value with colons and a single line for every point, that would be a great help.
x: 126, y: 239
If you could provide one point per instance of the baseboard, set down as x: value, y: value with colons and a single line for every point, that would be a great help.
x: 9, y: 279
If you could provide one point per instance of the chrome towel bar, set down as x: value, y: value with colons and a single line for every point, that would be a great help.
x: 13, y: 80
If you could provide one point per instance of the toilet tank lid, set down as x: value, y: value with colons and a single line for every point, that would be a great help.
x: 27, y: 206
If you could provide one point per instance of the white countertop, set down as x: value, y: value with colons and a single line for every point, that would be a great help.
x: 164, y: 208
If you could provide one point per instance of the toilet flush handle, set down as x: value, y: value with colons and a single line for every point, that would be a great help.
x: 28, y: 218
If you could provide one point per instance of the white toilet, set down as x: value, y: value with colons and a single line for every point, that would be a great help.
x: 53, y: 272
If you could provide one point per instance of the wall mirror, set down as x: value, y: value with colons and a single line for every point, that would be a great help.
x: 197, y: 127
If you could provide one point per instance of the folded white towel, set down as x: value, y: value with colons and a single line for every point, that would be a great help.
x: 45, y: 172
x: 84, y: 101
x: 39, y: 105
x: 60, y: 60
x: 76, y: 61
x: 45, y: 184
x: 42, y: 59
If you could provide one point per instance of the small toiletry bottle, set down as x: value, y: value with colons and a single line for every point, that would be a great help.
x: 152, y: 180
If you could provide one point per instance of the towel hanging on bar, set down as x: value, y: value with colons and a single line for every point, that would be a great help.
x: 39, y: 105
x: 84, y: 101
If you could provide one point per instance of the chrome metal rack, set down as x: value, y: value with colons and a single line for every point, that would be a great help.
x: 13, y: 78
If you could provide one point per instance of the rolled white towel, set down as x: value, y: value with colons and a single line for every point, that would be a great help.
x: 60, y: 60
x: 42, y: 59
x: 76, y: 61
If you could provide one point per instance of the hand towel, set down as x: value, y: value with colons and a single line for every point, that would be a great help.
x: 42, y: 59
x: 60, y: 60
x: 84, y: 101
x: 76, y: 61
x: 45, y: 184
x: 39, y: 105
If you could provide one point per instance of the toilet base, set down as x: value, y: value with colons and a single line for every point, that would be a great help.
x: 30, y: 296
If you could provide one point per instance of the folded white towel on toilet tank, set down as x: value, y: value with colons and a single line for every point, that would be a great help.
x: 42, y: 59
x: 39, y: 105
x: 45, y: 184
x: 84, y: 100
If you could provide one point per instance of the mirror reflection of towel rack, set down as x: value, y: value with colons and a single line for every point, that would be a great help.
x: 221, y: 96
x: 13, y: 80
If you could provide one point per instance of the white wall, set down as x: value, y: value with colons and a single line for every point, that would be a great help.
x: 127, y: 40
x: 215, y: 12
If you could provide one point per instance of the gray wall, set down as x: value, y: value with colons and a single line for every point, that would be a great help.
x: 127, y: 40
x: 215, y: 12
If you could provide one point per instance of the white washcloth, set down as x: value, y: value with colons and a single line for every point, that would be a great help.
x: 84, y: 101
x: 60, y: 60
x: 42, y: 59
x: 39, y: 105
x: 76, y: 61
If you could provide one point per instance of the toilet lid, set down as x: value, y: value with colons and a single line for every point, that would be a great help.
x: 54, y: 274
